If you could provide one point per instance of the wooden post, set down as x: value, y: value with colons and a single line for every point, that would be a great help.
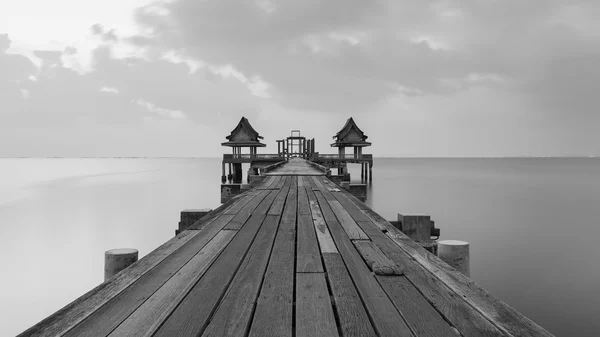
x: 456, y: 254
x: 189, y: 216
x: 366, y: 171
x: 370, y: 171
x: 416, y: 227
x: 116, y: 260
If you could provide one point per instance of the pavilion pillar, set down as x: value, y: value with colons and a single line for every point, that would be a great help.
x: 362, y: 171
x: 370, y: 171
x: 230, y: 176
x: 304, y: 152
x: 223, y: 178
x: 237, y: 173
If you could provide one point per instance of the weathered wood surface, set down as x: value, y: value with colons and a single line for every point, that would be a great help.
x: 385, y: 318
x: 292, y: 256
x: 326, y: 243
x: 147, y: 317
x: 314, y: 314
x: 235, y: 311
x: 296, y: 167
x: 379, y: 263
x: 353, y: 318
x: 274, y: 308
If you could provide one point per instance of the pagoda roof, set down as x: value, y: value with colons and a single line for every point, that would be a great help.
x: 244, y: 135
x: 350, y: 135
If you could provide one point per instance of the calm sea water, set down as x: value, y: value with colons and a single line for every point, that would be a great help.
x: 532, y: 225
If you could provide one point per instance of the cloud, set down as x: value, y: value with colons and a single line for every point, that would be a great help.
x: 347, y: 56
x: 106, y: 35
x: 456, y: 66
x: 125, y: 90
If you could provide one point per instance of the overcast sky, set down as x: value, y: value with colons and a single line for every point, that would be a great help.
x: 421, y: 78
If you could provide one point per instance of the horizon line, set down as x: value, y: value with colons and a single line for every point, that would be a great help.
x: 383, y: 157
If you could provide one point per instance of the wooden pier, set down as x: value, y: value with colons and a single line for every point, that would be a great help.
x: 294, y: 256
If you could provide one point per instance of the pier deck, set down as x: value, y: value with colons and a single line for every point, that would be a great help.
x: 296, y: 167
x: 294, y: 256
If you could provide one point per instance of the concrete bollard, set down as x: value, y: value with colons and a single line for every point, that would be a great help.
x: 116, y: 260
x: 456, y: 254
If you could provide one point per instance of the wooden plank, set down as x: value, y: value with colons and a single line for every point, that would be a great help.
x: 328, y: 214
x: 303, y: 208
x: 300, y: 181
x: 272, y: 183
x: 352, y: 315
x: 237, y: 207
x: 244, y: 214
x: 376, y: 259
x: 281, y: 183
x: 365, y: 209
x: 103, y: 320
x: 265, y: 205
x: 291, y: 204
x: 422, y: 318
x: 277, y: 206
x: 191, y: 316
x: 384, y: 316
x: 317, y: 182
x: 458, y: 312
x: 326, y: 244
x: 328, y: 186
x: 276, y: 181
x: 350, y: 207
x: 225, y: 208
x: 265, y: 183
x: 308, y: 259
x: 502, y: 316
x: 274, y: 308
x: 308, y: 182
x: 314, y: 314
x: 354, y: 232
x: 148, y: 317
x: 235, y: 311
x: 76, y: 311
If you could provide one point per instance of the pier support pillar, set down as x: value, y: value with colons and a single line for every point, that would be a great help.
x: 370, y: 171
x: 116, y: 260
x: 223, y: 172
x: 237, y: 173
x: 362, y: 171
x: 456, y: 254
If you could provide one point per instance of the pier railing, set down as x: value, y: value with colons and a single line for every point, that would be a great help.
x: 246, y: 157
x: 349, y: 156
